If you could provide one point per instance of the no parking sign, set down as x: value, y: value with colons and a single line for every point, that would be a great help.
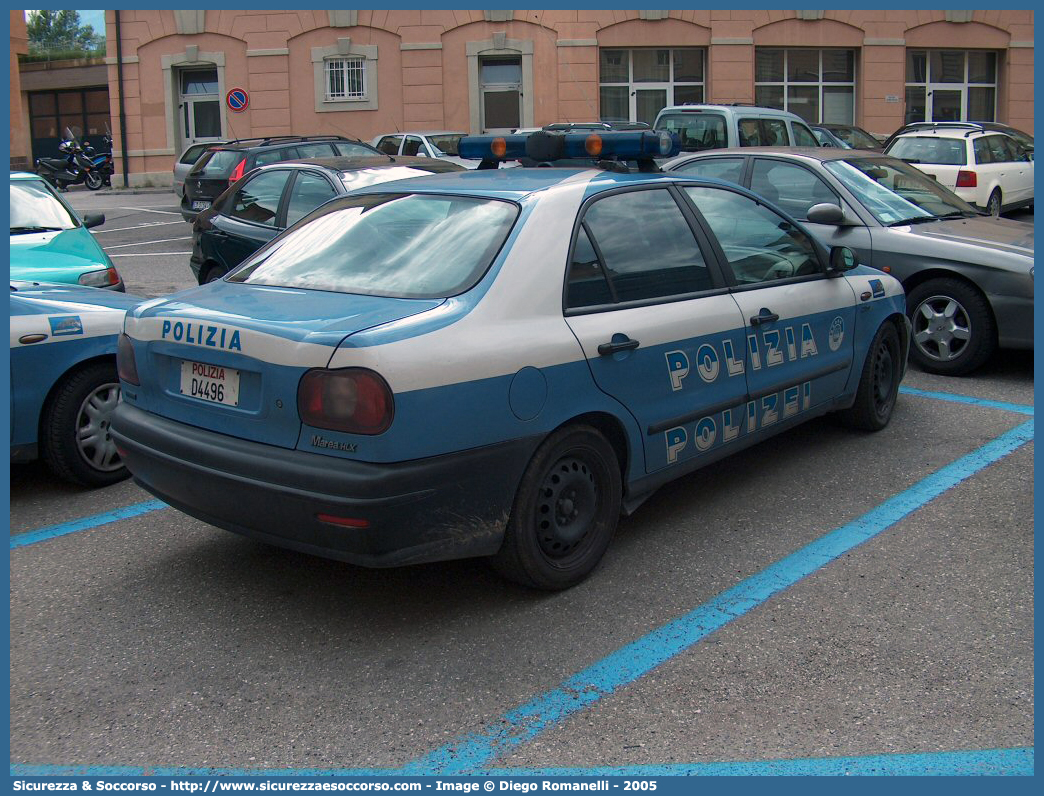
x: 237, y: 100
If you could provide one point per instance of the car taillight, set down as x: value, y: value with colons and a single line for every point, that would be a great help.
x: 353, y: 400
x: 103, y: 278
x: 967, y: 179
x: 125, y: 364
x: 237, y: 172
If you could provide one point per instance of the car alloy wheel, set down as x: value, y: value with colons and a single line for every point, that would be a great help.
x: 993, y: 204
x: 952, y: 327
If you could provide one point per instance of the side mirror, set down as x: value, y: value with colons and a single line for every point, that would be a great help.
x: 93, y: 220
x: 842, y: 259
x: 825, y: 213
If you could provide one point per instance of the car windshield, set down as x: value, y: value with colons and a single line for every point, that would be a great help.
x: 447, y: 144
x: 35, y: 209
x: 855, y: 137
x: 398, y: 245
x: 929, y: 149
x: 696, y: 130
x: 896, y: 193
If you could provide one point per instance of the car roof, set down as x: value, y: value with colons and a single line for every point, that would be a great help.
x: 25, y: 175
x: 732, y: 108
x: 814, y: 153
x: 282, y: 140
x: 949, y: 132
x: 517, y: 183
x: 346, y: 163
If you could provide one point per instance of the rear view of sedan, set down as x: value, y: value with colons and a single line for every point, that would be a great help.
x: 496, y: 363
x: 264, y: 203
x: 968, y: 277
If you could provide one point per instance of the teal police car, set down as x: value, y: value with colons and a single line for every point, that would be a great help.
x: 498, y: 362
x: 50, y: 243
x: 63, y: 378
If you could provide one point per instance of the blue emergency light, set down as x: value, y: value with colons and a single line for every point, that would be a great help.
x: 548, y: 146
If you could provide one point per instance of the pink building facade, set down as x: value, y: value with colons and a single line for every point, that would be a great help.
x: 365, y: 73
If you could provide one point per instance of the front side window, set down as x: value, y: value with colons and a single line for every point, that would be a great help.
x: 309, y: 191
x: 793, y: 188
x: 817, y: 85
x: 258, y: 200
x: 759, y: 244
x: 345, y: 78
x: 640, y: 244
x: 448, y: 144
x: 388, y: 244
x: 803, y: 136
x: 313, y: 151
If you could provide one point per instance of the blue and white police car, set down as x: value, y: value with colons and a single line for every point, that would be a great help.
x: 63, y: 378
x: 498, y: 362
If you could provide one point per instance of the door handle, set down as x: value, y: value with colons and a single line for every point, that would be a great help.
x: 614, y: 347
x: 765, y: 316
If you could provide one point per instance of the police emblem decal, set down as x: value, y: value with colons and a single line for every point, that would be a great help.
x: 836, y: 334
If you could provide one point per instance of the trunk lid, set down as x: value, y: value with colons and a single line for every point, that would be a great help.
x: 228, y: 356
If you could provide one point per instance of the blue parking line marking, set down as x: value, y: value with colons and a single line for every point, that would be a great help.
x: 86, y: 523
x: 985, y: 762
x: 629, y: 663
x: 967, y: 399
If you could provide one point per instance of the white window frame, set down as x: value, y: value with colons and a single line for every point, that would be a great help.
x: 344, y: 52
x: 667, y: 86
x: 930, y: 85
x: 344, y: 64
x: 820, y: 84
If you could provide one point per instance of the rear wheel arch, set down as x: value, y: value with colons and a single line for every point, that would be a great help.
x: 613, y: 430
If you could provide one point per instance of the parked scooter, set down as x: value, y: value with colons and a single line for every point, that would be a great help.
x: 75, y: 168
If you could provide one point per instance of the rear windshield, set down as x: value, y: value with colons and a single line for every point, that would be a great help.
x: 217, y: 163
x: 398, y: 245
x: 191, y: 155
x: 696, y: 130
x: 930, y: 149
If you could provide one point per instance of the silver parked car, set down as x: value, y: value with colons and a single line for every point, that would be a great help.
x: 183, y: 165
x: 968, y: 277
x: 440, y: 144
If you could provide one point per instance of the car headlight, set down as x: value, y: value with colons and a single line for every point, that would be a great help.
x: 106, y: 277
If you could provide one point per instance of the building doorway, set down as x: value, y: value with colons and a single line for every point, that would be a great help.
x: 199, y: 105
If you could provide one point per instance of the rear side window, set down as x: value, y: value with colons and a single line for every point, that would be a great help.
x: 391, y: 244
x: 730, y: 169
x: 389, y: 145
x: 764, y: 132
x: 697, y: 131
x: 216, y: 163
x: 929, y: 149
x: 998, y: 149
x: 273, y: 156
x: 657, y: 258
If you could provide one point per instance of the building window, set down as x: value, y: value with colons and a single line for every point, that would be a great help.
x: 951, y: 85
x: 817, y: 85
x: 82, y: 112
x: 635, y: 84
x: 345, y: 78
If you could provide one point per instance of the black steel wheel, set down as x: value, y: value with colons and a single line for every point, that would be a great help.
x: 565, y: 513
x: 878, y: 383
x: 953, y: 328
x: 213, y: 274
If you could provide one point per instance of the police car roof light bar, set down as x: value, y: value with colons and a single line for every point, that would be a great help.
x: 548, y: 146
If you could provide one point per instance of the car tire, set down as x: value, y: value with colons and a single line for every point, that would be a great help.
x: 565, y: 511
x: 74, y: 434
x: 953, y: 329
x: 93, y: 180
x: 993, y: 204
x: 213, y: 274
x: 878, y: 383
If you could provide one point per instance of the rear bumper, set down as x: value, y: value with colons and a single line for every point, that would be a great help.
x: 445, y: 507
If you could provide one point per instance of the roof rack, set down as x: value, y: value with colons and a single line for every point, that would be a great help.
x: 273, y: 139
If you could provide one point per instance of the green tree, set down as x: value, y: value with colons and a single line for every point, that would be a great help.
x: 60, y: 31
